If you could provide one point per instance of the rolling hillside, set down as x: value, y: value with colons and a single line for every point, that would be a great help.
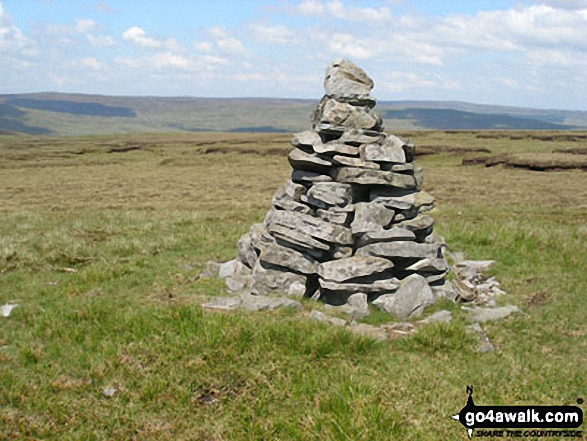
x: 76, y: 114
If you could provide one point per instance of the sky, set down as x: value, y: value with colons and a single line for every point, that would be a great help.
x: 525, y: 53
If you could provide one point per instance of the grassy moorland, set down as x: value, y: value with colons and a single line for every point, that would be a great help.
x: 102, y: 240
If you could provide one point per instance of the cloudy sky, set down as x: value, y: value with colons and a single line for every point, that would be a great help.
x: 523, y: 53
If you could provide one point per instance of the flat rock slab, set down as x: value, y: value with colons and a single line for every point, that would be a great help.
x: 409, y: 301
x: 328, y: 194
x: 304, y: 176
x: 307, y: 161
x: 321, y: 317
x: 438, y: 317
x: 336, y: 148
x: 380, y: 235
x: 355, y: 162
x: 275, y: 254
x: 355, y: 175
x: 310, y: 225
x: 353, y: 267
x: 419, y: 223
x: 251, y: 303
x: 482, y: 315
x: 382, y: 286
x: 429, y: 266
x: 307, y: 138
x: 400, y: 249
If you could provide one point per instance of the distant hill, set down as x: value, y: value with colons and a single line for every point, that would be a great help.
x: 77, y: 114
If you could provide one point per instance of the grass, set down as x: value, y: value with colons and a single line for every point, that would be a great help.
x: 102, y: 252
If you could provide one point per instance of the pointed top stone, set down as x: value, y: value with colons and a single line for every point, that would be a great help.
x: 346, y: 79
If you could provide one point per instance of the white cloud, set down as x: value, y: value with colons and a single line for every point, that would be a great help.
x: 336, y: 9
x: 101, y: 40
x: 347, y: 45
x: 274, y: 34
x: 139, y: 37
x: 564, y: 4
x: 170, y: 60
x: 91, y: 63
x: 396, y: 82
x: 11, y: 38
x: 84, y: 25
x: 226, y: 43
x: 203, y: 46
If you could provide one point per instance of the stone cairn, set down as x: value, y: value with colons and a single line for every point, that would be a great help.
x: 350, y: 220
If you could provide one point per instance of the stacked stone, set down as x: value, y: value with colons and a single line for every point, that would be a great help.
x: 350, y: 218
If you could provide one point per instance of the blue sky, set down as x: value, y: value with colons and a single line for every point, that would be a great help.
x: 530, y: 53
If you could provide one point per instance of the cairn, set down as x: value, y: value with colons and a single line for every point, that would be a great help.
x: 350, y: 220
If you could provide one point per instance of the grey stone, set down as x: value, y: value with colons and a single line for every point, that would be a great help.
x: 298, y: 240
x: 485, y: 344
x: 247, y: 245
x: 429, y: 266
x: 311, y: 226
x: 327, y: 194
x: 393, y: 234
x: 267, y: 281
x: 391, y: 200
x: 331, y: 111
x: 376, y: 332
x: 306, y: 161
x: 443, y: 316
x: 423, y: 201
x: 297, y: 207
x: 354, y: 175
x: 356, y: 307
x: 388, y: 151
x: 477, y: 265
x: 410, y: 151
x: 321, y: 317
x: 239, y: 283
x: 290, y: 191
x: 223, y: 303
x: 357, y: 137
x: 6, y: 309
x: 409, y: 301
x: 275, y: 254
x: 289, y: 197
x: 482, y: 315
x: 336, y: 148
x: 419, y: 176
x: 347, y: 79
x: 419, y: 223
x: 370, y: 286
x: 340, y: 252
x: 407, y: 167
x: 262, y: 303
x: 335, y: 216
x: 309, y: 177
x: 446, y: 291
x: 399, y: 249
x: 355, y: 162
x: 371, y: 216
x: 307, y: 138
x: 352, y: 267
